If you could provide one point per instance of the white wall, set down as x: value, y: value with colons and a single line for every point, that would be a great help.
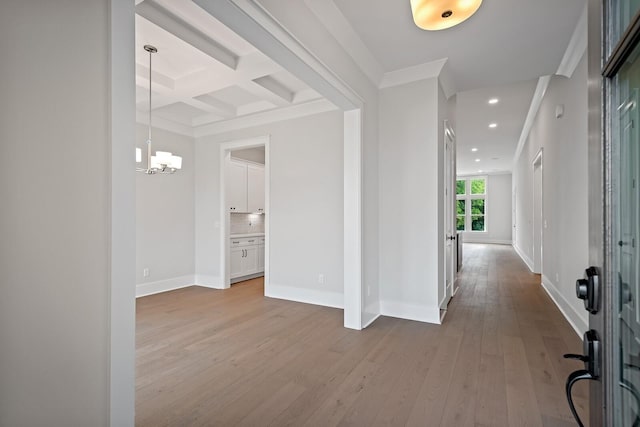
x: 165, y: 217
x: 297, y: 18
x: 305, y: 213
x: 54, y: 216
x: 410, y: 227
x: 565, y: 192
x: 252, y: 154
x: 498, y: 212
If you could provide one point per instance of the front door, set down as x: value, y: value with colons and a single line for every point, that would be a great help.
x: 611, y: 286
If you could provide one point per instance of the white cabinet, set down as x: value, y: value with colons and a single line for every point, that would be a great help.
x: 246, y: 255
x: 261, y: 254
x: 235, y: 179
x: 255, y: 188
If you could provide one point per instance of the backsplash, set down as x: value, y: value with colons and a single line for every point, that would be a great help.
x: 242, y: 223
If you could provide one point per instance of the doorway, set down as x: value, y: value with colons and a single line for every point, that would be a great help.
x: 537, y: 213
x: 227, y: 258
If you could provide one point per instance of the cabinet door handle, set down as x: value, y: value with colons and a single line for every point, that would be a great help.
x: 244, y: 253
x: 251, y: 241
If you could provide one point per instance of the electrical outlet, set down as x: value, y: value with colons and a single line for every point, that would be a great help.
x: 145, y: 272
x: 321, y: 279
x: 557, y: 278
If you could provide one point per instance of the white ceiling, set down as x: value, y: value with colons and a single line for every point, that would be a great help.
x: 205, y: 75
x: 496, y: 146
x: 207, y: 79
x: 505, y: 41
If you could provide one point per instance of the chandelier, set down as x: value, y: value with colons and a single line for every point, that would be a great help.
x: 163, y: 161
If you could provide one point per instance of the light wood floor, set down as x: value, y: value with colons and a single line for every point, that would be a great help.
x: 224, y: 358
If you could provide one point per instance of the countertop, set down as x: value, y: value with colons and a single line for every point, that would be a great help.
x: 238, y: 236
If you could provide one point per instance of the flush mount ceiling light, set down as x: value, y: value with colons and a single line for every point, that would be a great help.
x: 163, y: 161
x: 435, y: 15
x: 493, y: 101
x: 477, y: 160
x: 474, y: 149
x: 493, y: 125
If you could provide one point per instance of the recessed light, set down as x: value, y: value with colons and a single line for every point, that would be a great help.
x: 477, y: 160
x: 474, y: 149
x: 480, y: 170
x: 493, y: 101
x: 493, y: 125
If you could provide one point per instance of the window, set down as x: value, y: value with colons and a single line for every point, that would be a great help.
x: 471, y: 204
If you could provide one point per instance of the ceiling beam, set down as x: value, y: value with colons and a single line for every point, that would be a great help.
x: 164, y: 19
x: 275, y: 87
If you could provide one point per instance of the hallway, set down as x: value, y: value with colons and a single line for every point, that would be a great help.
x: 210, y: 357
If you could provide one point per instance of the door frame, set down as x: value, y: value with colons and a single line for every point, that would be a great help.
x: 225, y: 215
x: 538, y: 212
x: 449, y: 210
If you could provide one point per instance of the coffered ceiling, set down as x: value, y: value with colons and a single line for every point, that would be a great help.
x: 205, y: 77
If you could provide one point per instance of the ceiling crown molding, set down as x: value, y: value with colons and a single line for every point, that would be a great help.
x: 538, y: 95
x: 576, y: 48
x: 334, y: 21
x: 265, y: 117
x: 413, y: 74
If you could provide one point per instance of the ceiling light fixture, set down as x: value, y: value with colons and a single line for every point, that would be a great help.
x: 435, y: 15
x: 493, y: 125
x: 474, y: 149
x: 163, y: 161
x: 477, y: 160
x: 493, y: 101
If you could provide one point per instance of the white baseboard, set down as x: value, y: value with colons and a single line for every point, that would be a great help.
x: 144, y: 289
x: 410, y: 312
x: 487, y: 241
x: 213, y: 282
x: 577, y: 322
x: 370, y: 314
x: 308, y: 296
x: 524, y: 257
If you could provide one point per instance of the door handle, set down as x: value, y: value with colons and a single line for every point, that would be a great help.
x: 576, y: 376
x: 591, y: 360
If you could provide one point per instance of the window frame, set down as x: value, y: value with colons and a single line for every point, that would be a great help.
x: 468, y: 197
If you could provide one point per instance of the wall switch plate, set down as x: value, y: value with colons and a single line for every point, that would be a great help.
x: 145, y: 272
x: 368, y: 291
x: 321, y: 279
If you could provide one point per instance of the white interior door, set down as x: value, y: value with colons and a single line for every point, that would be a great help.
x: 449, y: 216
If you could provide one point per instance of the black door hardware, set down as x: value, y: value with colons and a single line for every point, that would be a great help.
x: 591, y: 371
x: 588, y: 289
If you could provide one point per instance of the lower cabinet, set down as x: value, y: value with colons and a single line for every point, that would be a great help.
x: 247, y: 257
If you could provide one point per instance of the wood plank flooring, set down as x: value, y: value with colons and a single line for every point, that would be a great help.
x: 223, y: 358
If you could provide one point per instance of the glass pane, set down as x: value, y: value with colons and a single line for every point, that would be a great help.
x: 461, y: 207
x: 460, y: 223
x: 622, y: 13
x: 626, y: 225
x: 461, y: 185
x: 477, y: 186
x: 477, y: 223
x: 477, y: 207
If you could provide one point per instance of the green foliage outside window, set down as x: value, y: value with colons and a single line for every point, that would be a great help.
x: 474, y: 207
x: 477, y: 186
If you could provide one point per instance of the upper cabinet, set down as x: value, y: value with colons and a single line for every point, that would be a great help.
x: 244, y: 186
x: 255, y: 188
x: 235, y: 180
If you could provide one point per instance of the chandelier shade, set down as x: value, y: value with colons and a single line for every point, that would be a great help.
x: 163, y: 161
x: 433, y: 15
